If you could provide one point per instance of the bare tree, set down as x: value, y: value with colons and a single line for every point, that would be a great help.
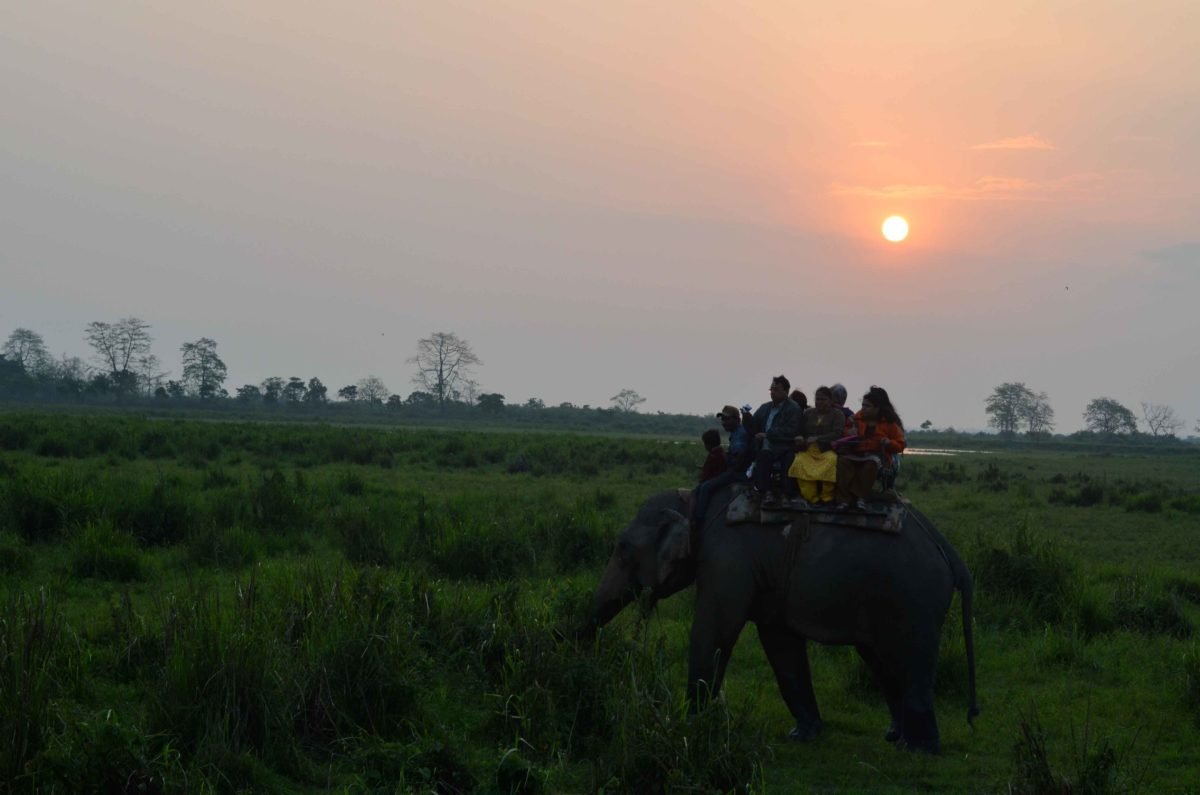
x: 469, y: 393
x: 28, y: 349
x: 148, y: 373
x: 203, y: 371
x: 1161, y: 420
x: 443, y: 360
x: 372, y: 390
x: 627, y: 400
x: 119, y: 346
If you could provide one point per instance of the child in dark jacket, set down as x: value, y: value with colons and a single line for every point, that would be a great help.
x: 715, y: 464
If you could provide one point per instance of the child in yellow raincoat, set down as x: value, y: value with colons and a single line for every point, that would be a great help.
x: 815, y: 465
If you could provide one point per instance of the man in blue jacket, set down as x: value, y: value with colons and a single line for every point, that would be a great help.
x: 779, y: 421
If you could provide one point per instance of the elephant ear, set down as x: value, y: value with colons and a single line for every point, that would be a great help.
x: 674, y: 543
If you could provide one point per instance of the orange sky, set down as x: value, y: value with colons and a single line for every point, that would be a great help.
x: 641, y: 187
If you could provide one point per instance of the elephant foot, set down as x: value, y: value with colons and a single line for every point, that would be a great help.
x: 918, y: 732
x: 809, y: 730
x: 933, y: 748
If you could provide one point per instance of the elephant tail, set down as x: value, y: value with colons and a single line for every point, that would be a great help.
x: 966, y: 587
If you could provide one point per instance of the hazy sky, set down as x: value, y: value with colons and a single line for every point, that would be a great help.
x: 682, y: 198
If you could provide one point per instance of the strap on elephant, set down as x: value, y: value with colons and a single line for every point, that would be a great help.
x: 795, y: 534
x: 930, y: 535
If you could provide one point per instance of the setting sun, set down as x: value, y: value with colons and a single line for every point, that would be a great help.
x: 895, y: 229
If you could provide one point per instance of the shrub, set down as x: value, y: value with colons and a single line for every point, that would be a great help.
x: 228, y: 547
x: 1096, y: 767
x: 100, y: 550
x: 39, y: 506
x: 1140, y: 608
x: 14, y: 556
x: 364, y: 539
x: 222, y: 689
x: 1027, y: 584
x: 351, y: 482
x: 32, y: 650
x: 162, y: 514
x: 1191, y: 682
x: 358, y: 670
x: 275, y: 504
x: 96, y: 752
x: 1150, y: 502
x: 992, y: 478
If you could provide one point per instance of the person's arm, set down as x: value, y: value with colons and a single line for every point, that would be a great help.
x: 895, y: 438
x: 787, y: 426
x: 833, y: 427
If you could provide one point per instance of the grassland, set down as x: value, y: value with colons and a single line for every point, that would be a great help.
x: 218, y: 606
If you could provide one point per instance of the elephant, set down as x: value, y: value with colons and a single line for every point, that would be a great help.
x: 885, y: 594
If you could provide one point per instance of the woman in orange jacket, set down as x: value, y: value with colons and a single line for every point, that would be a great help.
x: 874, y: 435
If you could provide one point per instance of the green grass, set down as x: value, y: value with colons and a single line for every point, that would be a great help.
x: 202, y: 606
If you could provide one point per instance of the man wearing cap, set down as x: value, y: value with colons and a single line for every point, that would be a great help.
x: 741, y: 453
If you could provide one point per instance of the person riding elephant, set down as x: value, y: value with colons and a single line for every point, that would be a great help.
x: 778, y: 422
x: 877, y: 436
x: 885, y: 594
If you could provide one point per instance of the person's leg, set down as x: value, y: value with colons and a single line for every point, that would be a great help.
x: 845, y: 473
x: 865, y: 473
x: 810, y: 489
x: 788, y: 486
x: 762, y: 472
x: 825, y: 488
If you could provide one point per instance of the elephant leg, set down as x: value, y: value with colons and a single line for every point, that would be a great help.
x: 919, y: 722
x: 891, y: 682
x: 788, y: 654
x: 715, y: 630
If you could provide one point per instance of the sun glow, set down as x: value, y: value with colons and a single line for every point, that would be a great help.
x: 895, y: 228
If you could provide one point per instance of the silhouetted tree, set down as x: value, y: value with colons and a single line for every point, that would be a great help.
x: 1105, y: 415
x: 927, y: 425
x: 174, y: 389
x: 27, y: 349
x: 249, y: 394
x: 491, y: 403
x: 627, y: 400
x: 1038, y: 415
x: 443, y: 361
x: 317, y: 393
x: 13, y: 378
x: 372, y: 390
x: 70, y: 375
x: 272, y: 389
x: 119, y: 347
x: 419, y: 399
x: 203, y: 371
x: 535, y: 403
x: 348, y: 393
x: 293, y: 391
x: 1005, y: 405
x: 394, y: 402
x: 1161, y: 420
x: 148, y: 373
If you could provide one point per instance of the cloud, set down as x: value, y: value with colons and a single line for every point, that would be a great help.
x: 983, y: 189
x: 1017, y: 142
x: 871, y: 144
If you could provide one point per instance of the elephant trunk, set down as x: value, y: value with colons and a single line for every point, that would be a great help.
x: 615, y: 591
